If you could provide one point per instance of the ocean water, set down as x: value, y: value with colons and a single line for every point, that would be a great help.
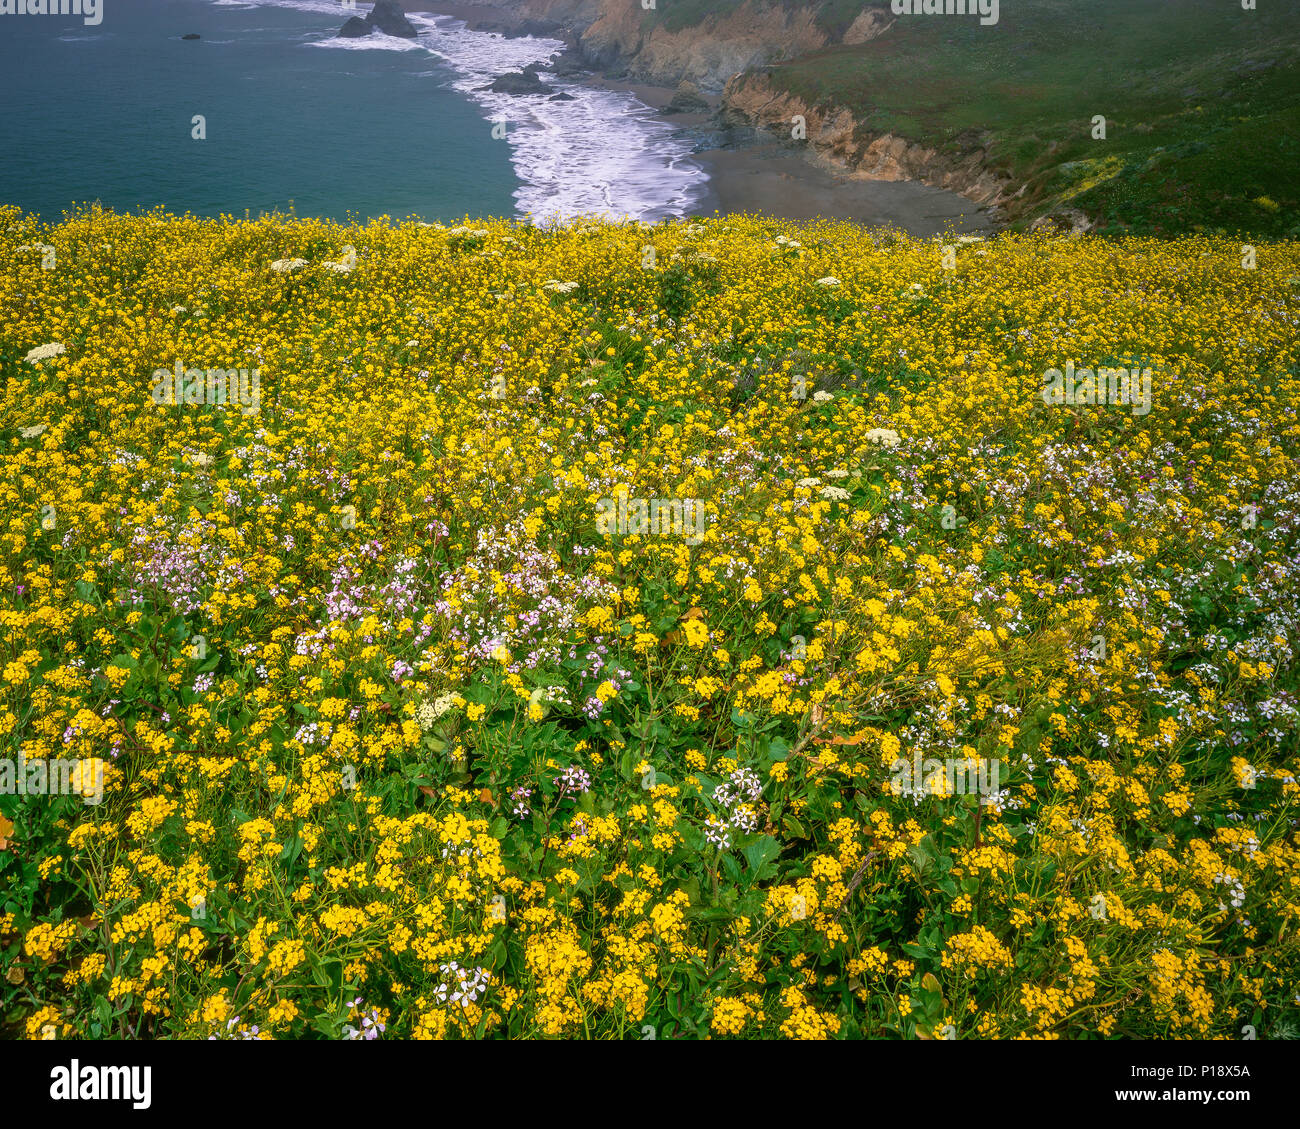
x: 297, y: 118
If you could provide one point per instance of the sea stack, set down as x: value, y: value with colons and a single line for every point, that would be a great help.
x: 355, y: 28
x: 390, y: 17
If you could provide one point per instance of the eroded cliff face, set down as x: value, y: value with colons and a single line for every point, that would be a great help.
x: 709, y: 54
x: 722, y: 53
x: 837, y: 140
x: 621, y: 36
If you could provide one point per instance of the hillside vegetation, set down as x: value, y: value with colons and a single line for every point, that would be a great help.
x: 1201, y: 99
x: 391, y: 726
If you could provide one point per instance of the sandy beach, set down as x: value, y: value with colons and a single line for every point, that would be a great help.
x: 780, y: 181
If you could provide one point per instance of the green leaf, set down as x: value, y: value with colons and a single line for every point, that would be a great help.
x: 760, y: 853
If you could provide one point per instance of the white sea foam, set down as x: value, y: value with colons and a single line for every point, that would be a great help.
x: 603, y: 154
x: 369, y: 43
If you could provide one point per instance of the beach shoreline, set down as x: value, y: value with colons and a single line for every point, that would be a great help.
x: 765, y: 177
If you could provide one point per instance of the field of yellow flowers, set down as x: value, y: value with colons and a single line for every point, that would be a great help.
x: 393, y: 717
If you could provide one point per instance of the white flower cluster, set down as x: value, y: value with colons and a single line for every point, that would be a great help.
x: 283, y: 266
x: 718, y: 833
x: 737, y: 795
x: 884, y: 437
x: 1236, y: 891
x: 371, y: 1028
x: 573, y: 781
x: 466, y: 986
x: 426, y: 713
x: 44, y: 353
x: 557, y: 287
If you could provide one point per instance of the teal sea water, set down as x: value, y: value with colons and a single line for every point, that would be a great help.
x: 104, y: 113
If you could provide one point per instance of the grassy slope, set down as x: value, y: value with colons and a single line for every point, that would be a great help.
x: 1200, y: 135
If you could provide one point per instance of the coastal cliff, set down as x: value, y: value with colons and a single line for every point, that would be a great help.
x: 1011, y: 121
x: 648, y: 45
x: 725, y: 53
x: 838, y: 140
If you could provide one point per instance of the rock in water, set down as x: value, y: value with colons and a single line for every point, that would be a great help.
x: 192, y: 35
x: 390, y: 17
x: 567, y: 65
x: 524, y: 82
x: 355, y: 28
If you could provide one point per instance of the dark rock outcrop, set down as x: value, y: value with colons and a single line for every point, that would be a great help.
x: 355, y: 28
x: 192, y: 35
x: 520, y: 82
x: 561, y: 97
x: 390, y: 17
x: 567, y: 65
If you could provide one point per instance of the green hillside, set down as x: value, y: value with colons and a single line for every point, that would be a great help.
x: 1201, y: 100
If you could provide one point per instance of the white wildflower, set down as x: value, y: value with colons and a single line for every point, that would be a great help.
x: 44, y: 352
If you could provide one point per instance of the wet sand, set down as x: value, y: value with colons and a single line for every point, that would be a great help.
x: 785, y: 183
x: 771, y: 180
